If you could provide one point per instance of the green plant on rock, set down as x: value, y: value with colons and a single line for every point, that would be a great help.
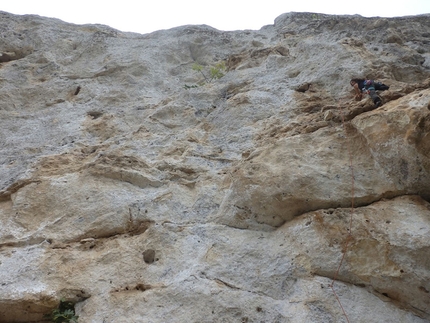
x: 214, y: 73
x: 65, y: 313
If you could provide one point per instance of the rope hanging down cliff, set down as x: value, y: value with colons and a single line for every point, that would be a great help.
x: 349, y: 236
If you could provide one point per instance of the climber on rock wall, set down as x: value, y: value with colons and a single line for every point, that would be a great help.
x: 370, y: 87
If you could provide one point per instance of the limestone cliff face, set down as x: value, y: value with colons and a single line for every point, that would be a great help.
x: 141, y: 192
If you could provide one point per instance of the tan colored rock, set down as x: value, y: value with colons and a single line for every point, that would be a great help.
x: 386, y: 147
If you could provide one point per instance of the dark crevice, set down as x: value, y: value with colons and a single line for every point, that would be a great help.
x: 5, y: 58
x: 149, y: 256
x: 93, y: 114
x: 141, y: 287
x: 13, y: 55
x: 78, y: 89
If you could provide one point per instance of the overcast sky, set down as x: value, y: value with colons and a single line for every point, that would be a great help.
x: 145, y: 16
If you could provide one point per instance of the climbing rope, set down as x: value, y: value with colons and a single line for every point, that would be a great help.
x: 349, y: 237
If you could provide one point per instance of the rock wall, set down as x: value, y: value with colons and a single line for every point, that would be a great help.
x: 140, y: 191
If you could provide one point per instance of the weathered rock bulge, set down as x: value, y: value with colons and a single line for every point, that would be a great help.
x: 140, y: 191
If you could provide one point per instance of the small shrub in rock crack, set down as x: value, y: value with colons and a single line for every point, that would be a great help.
x: 215, y: 72
x: 65, y: 313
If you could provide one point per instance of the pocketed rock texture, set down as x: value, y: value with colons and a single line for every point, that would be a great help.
x: 141, y: 190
